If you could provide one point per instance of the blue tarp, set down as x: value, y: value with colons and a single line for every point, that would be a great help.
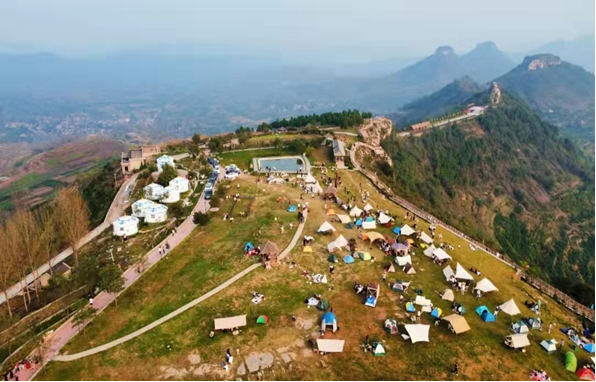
x: 358, y: 222
x: 292, y: 209
x: 348, y: 259
x: 488, y: 317
x: 481, y: 309
x: 397, y: 230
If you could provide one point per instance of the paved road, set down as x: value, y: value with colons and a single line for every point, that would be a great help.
x: 114, y: 213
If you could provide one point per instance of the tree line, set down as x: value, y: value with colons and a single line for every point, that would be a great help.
x: 343, y: 119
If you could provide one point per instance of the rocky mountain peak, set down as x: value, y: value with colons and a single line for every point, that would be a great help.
x: 541, y: 61
x: 444, y: 50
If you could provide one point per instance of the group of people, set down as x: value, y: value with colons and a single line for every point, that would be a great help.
x: 539, y: 375
x: 12, y: 373
x: 457, y: 308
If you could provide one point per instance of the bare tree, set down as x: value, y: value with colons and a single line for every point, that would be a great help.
x: 7, y: 269
x: 17, y: 264
x: 48, y: 236
x: 28, y: 242
x: 72, y: 217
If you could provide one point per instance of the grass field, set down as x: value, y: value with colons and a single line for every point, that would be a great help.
x: 212, y: 254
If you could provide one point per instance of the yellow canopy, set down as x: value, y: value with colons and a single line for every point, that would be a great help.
x: 307, y: 249
x: 373, y: 236
x: 330, y: 211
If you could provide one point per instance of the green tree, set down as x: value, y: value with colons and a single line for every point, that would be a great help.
x: 200, y: 218
x: 83, y: 317
x: 111, y: 280
x: 277, y: 143
x: 166, y: 175
x: 196, y: 138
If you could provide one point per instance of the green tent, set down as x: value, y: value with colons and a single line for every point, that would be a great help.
x: 378, y: 349
x: 332, y: 259
x: 570, y: 362
x: 262, y: 320
x: 364, y: 256
x: 323, y: 305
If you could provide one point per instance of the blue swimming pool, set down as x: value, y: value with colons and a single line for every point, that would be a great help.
x: 287, y: 164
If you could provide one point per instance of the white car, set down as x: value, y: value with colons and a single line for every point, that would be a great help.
x: 231, y: 175
x: 232, y: 167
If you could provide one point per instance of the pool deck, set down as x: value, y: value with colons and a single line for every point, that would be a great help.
x: 306, y: 164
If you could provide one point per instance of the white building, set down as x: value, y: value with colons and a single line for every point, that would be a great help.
x: 180, y: 183
x: 140, y: 207
x: 163, y: 160
x: 126, y: 225
x: 158, y: 213
x: 154, y: 191
x: 170, y: 195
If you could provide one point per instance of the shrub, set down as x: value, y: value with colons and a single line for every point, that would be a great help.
x: 201, y: 218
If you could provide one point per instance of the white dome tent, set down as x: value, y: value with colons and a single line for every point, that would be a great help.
x: 156, y: 214
x: 170, y: 195
x: 126, y: 225
x: 163, y: 160
x: 153, y: 191
x: 180, y: 183
x: 140, y: 207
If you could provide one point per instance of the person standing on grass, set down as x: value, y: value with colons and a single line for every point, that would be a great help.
x: 229, y: 356
x: 455, y: 368
x: 384, y: 275
x: 550, y: 326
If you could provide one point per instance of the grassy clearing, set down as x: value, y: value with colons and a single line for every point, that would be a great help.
x: 480, y: 352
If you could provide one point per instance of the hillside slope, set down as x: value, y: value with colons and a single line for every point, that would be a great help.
x: 561, y: 93
x: 510, y: 180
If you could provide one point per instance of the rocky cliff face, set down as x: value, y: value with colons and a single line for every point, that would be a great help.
x: 541, y: 61
x: 376, y: 129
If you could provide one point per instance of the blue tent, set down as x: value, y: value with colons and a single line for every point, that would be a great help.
x: 410, y: 307
x: 348, y: 259
x: 397, y: 230
x: 488, y: 317
x: 292, y: 209
x: 327, y: 320
x: 370, y: 219
x: 249, y: 246
x: 589, y: 347
x: 481, y: 309
x: 358, y: 222
x: 436, y: 313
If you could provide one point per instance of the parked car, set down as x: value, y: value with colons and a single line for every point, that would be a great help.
x: 231, y: 175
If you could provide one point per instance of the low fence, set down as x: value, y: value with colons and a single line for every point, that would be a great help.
x: 537, y: 283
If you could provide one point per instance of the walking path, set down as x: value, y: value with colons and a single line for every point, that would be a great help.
x: 68, y: 330
x: 114, y: 212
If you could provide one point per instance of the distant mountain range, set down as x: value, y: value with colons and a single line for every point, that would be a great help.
x: 580, y: 51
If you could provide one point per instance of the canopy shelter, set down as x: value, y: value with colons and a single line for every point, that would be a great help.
x: 425, y: 238
x: 369, y: 225
x: 570, y: 362
x: 510, y: 308
x: 520, y: 327
x: 249, y: 246
x: 400, y: 249
x: 329, y: 321
x: 307, y: 248
x: 407, y: 230
x: 384, y: 218
x: 270, y: 248
x: 378, y: 350
x: 230, y: 322
x: 448, y: 295
x: 517, y: 341
x: 368, y: 207
x: 374, y: 236
x: 330, y: 346
x: 422, y: 301
x: 326, y: 227
x: 441, y: 255
x: 485, y: 286
x: 330, y: 191
x: 390, y: 326
x: 428, y: 252
x: 585, y: 374
x: 344, y: 219
x: 262, y: 320
x: 348, y: 259
x: 403, y: 260
x: 448, y: 272
x: 418, y: 332
x: 549, y: 346
x: 355, y: 212
x: 458, y: 324
x: 409, y: 269
x: 462, y: 274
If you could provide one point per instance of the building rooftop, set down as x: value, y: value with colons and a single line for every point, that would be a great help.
x: 339, y: 148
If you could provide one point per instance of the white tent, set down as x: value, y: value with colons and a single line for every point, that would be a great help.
x: 180, y: 183
x: 406, y: 230
x: 418, y: 332
x: 403, y: 260
x: 230, y: 322
x: 448, y: 272
x: 341, y: 241
x: 126, y: 225
x: 549, y: 346
x: 153, y: 191
x: 422, y: 301
x: 355, y: 212
x: 171, y: 195
x: 309, y: 179
x: 140, y: 207
x: 332, y: 246
x: 425, y: 238
x: 510, y: 308
x: 326, y: 227
x: 440, y: 254
x: 369, y: 225
x: 517, y: 341
x: 156, y: 214
x: 486, y: 286
x: 458, y: 323
x: 330, y: 346
x: 461, y: 273
x: 384, y: 219
x: 163, y: 160
x: 428, y: 252
x: 368, y: 207
x: 344, y: 219
x: 448, y: 295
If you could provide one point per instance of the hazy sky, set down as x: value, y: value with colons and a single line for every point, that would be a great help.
x: 333, y: 30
